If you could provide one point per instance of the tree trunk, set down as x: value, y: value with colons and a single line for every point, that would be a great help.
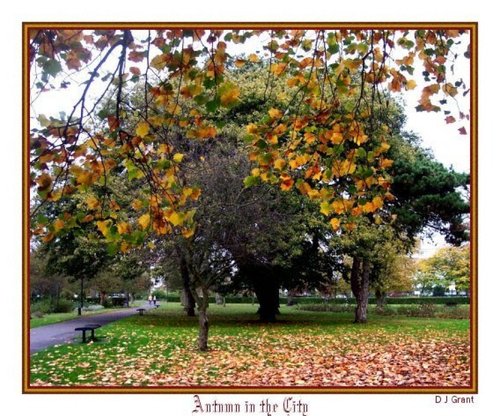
x: 203, y: 322
x: 360, y: 283
x: 380, y: 295
x: 267, y: 292
x: 102, y: 297
x: 80, y: 308
x: 187, y: 295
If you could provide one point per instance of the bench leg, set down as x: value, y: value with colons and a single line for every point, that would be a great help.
x: 92, y: 335
x: 83, y: 336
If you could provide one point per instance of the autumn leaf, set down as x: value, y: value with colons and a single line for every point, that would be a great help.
x: 411, y: 84
x: 229, y: 94
x: 123, y: 227
x: 103, y: 227
x: 188, y: 232
x: 142, y: 129
x: 135, y: 71
x: 325, y: 208
x: 239, y: 63
x: 286, y: 182
x: 275, y: 113
x: 253, y: 58
x: 178, y: 157
x: 279, y: 164
x: 175, y: 218
x: 113, y: 123
x: 335, y: 223
x: 462, y: 130
x: 44, y: 181
x: 144, y: 221
x: 58, y: 225
x: 92, y: 202
x: 84, y: 178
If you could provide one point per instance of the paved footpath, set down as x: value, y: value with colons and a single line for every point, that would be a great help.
x: 64, y: 332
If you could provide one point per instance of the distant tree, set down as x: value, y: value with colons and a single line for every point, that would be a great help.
x: 449, y: 266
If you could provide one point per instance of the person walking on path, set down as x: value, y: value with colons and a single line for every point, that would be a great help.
x: 154, y: 300
x: 150, y: 298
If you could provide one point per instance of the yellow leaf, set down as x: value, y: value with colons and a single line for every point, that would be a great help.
x: 230, y: 95
x: 188, y: 232
x: 350, y: 226
x: 178, y: 157
x: 278, y: 68
x: 195, y: 194
x: 175, y: 218
x: 275, y: 113
x: 255, y: 172
x: 48, y: 237
x: 377, y: 202
x: 335, y: 223
x: 124, y: 246
x: 386, y: 163
x: 84, y: 178
x: 240, y: 63
x: 410, y: 84
x: 338, y: 206
x: 279, y: 164
x: 252, y: 128
x: 92, y: 202
x: 144, y: 221
x: 103, y: 227
x: 325, y: 208
x: 58, y: 225
x: 136, y: 204
x: 142, y: 129
x: 368, y: 207
x: 253, y: 58
x: 123, y: 227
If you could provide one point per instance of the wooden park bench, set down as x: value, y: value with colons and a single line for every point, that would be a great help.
x: 89, y: 327
x: 141, y: 311
x: 157, y: 305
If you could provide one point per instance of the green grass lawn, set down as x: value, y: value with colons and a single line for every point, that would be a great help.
x: 303, y: 348
x: 53, y: 318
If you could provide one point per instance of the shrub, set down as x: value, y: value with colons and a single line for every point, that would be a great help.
x: 325, y: 307
x: 386, y: 311
x: 63, y: 306
x: 43, y: 306
x: 46, y: 306
x: 161, y: 294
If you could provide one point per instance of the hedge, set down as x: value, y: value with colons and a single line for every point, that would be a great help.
x: 435, y: 300
x: 308, y: 300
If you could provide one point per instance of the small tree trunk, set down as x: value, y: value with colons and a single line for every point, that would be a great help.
x: 380, y: 295
x: 187, y: 295
x: 360, y: 283
x: 203, y: 321
x: 80, y: 308
x: 102, y: 297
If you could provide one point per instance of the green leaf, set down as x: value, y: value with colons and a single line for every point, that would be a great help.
x: 251, y: 181
x: 212, y: 105
x: 52, y: 67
